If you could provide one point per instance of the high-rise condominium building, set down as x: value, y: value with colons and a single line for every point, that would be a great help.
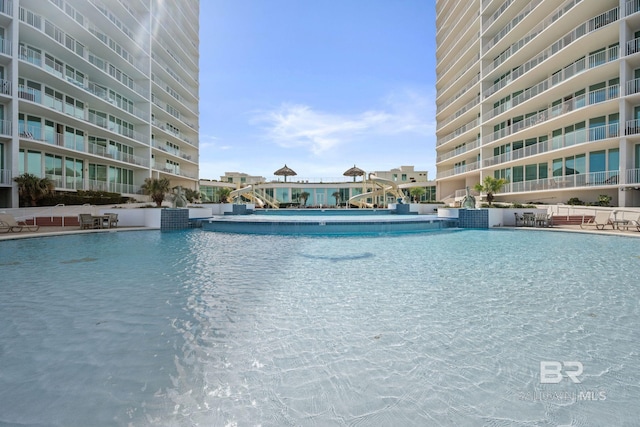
x: 98, y: 94
x: 545, y: 94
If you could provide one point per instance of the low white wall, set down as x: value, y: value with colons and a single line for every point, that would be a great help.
x: 219, y: 208
x: 448, y: 212
x: 148, y: 217
x: 420, y: 208
x: 140, y: 217
x: 498, y: 217
x: 508, y: 217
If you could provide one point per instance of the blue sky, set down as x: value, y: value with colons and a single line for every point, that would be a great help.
x: 320, y: 85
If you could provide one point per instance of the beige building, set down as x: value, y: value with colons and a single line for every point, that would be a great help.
x: 545, y: 94
x: 241, y: 178
x: 97, y: 94
x: 320, y: 192
x: 403, y: 174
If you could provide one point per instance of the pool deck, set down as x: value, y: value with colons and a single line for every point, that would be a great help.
x: 57, y: 231
x: 61, y: 231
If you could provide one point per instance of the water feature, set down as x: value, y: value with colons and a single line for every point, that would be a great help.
x: 327, y: 222
x: 200, y: 328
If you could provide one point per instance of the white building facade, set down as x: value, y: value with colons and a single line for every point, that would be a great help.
x: 98, y: 94
x: 544, y: 94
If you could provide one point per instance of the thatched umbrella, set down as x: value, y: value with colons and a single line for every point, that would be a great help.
x: 354, y: 171
x: 285, y: 171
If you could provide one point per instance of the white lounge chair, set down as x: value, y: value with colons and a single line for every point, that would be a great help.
x: 599, y: 221
x: 10, y: 221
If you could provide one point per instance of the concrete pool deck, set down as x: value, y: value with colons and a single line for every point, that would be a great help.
x: 69, y: 230
x: 59, y: 231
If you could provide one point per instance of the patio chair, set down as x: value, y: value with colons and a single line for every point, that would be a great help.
x: 4, y: 228
x: 86, y: 221
x: 529, y: 219
x: 635, y: 223
x: 543, y: 220
x: 599, y: 221
x: 14, y: 225
x: 519, y: 219
x: 113, y: 219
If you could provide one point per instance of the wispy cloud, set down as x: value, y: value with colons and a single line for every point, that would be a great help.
x: 210, y: 142
x: 295, y: 125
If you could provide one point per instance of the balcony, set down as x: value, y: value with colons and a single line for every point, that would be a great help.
x: 582, y: 101
x: 458, y: 151
x: 585, y: 180
x: 556, y: 143
x: 458, y: 170
x: 73, y: 142
x: 577, y: 33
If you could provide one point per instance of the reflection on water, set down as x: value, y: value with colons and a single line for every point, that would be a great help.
x: 202, y: 328
x: 337, y: 258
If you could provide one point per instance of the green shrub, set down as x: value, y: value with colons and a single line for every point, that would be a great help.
x: 604, y: 200
x: 82, y: 197
x: 575, y: 201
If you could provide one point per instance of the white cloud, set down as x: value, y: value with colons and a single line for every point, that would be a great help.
x: 301, y: 126
x: 210, y: 142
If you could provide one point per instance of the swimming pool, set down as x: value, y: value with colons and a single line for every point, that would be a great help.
x: 197, y: 328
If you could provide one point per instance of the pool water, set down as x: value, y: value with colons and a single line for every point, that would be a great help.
x: 199, y: 328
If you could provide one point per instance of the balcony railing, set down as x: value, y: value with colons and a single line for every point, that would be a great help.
x: 5, y: 128
x: 162, y: 167
x: 461, y: 92
x: 632, y: 176
x: 507, y: 28
x: 556, y: 143
x: 113, y: 187
x: 578, y: 32
x: 36, y: 21
x: 577, y: 67
x: 462, y: 129
x: 585, y: 180
x: 6, y: 176
x: 581, y: 101
x: 460, y: 150
x: 458, y: 170
x: 83, y: 114
x: 36, y: 58
x: 633, y: 127
x: 632, y: 7
x: 77, y: 143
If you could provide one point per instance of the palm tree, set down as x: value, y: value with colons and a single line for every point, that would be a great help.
x: 31, y: 189
x: 156, y: 188
x: 224, y: 193
x: 489, y: 186
x: 304, y: 196
x: 336, y: 195
x: 191, y: 195
x: 416, y: 193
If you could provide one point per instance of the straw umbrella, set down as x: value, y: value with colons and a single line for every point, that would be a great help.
x: 354, y: 171
x: 285, y: 171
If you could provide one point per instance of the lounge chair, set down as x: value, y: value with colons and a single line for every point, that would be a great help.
x: 9, y: 221
x: 4, y: 228
x: 599, y: 221
x: 634, y: 223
